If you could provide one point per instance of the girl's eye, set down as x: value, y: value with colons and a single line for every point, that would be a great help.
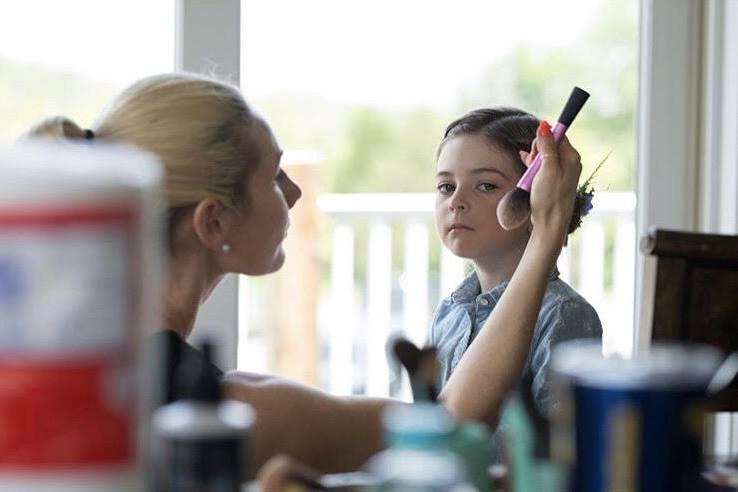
x: 280, y: 175
x: 445, y: 188
x: 487, y: 187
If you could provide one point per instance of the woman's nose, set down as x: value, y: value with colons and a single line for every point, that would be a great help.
x: 291, y: 191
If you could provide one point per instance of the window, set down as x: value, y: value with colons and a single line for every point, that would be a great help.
x: 369, y: 87
x: 69, y: 58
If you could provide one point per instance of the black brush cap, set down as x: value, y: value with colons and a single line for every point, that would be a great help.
x: 197, y: 381
x: 407, y: 354
x: 577, y: 98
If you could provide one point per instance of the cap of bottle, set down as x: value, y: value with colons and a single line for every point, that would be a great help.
x: 420, y: 425
x: 198, y: 381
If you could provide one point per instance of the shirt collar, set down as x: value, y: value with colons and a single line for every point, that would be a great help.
x: 467, y: 291
x: 470, y: 288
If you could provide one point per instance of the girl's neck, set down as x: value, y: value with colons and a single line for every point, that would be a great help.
x: 189, y: 285
x: 492, y: 270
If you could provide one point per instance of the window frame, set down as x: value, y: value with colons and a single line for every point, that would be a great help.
x: 208, y: 41
x: 687, y: 127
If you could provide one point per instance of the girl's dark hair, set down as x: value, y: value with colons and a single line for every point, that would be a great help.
x: 509, y: 130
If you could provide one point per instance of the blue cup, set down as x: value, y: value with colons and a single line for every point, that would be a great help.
x: 631, y: 424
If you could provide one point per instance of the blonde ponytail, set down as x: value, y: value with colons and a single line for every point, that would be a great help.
x: 196, y: 126
x: 56, y: 128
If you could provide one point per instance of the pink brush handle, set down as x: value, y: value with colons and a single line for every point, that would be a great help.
x: 526, y: 180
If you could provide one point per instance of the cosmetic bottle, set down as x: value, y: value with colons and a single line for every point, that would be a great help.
x: 418, y: 458
x: 200, y: 440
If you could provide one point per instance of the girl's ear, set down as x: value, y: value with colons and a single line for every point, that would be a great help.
x: 211, y: 222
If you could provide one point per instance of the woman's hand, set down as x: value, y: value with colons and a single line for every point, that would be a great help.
x: 306, y: 423
x: 283, y: 474
x: 554, y: 187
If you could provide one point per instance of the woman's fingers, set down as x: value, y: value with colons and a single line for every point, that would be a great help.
x: 525, y: 157
x: 558, y: 156
x: 546, y: 145
x: 554, y: 187
x: 533, y: 152
x: 283, y: 474
x: 569, y: 154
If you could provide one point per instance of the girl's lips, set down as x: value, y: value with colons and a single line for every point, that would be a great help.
x: 459, y: 227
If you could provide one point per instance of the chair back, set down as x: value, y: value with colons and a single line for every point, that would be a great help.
x: 694, y: 292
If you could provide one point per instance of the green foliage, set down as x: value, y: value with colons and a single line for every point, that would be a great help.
x: 30, y: 93
x: 370, y: 149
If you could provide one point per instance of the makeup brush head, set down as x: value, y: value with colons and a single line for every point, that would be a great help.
x: 428, y: 366
x: 514, y: 209
x: 407, y: 353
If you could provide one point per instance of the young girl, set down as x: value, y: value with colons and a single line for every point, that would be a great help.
x: 481, y: 158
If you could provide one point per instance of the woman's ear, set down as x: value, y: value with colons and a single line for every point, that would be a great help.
x: 211, y: 222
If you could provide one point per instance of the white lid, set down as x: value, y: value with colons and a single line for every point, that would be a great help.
x: 663, y: 366
x: 187, y: 420
x: 47, y: 170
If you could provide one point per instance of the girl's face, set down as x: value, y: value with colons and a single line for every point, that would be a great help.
x: 472, y: 177
x: 256, y: 237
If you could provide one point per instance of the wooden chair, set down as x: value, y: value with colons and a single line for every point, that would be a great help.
x: 694, y: 293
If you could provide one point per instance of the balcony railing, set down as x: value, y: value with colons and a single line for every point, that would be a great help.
x: 385, y: 275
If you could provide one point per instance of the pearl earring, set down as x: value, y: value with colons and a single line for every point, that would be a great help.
x: 225, y: 248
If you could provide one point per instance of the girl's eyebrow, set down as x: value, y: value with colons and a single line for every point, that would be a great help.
x: 476, y: 170
x: 483, y: 170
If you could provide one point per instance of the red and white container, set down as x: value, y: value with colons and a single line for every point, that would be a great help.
x: 79, y: 275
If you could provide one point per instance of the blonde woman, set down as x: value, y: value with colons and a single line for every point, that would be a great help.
x: 228, y: 205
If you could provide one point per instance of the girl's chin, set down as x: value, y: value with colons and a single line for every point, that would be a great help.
x: 463, y: 250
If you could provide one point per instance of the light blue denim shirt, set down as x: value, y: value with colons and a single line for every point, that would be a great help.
x: 564, y: 315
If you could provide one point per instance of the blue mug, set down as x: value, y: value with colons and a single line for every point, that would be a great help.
x: 631, y: 424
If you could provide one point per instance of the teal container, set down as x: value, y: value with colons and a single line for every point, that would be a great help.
x: 419, y: 456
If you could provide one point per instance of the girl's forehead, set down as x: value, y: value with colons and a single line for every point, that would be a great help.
x: 465, y: 153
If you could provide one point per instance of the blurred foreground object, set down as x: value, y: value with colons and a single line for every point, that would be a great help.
x: 201, y: 439
x: 632, y: 424
x: 420, y: 455
x: 79, y: 273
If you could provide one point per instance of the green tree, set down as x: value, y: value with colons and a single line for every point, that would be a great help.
x: 29, y: 93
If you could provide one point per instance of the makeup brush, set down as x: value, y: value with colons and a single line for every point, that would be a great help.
x: 421, y: 366
x: 514, y: 208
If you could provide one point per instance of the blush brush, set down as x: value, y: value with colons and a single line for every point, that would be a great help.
x: 421, y: 366
x: 514, y: 208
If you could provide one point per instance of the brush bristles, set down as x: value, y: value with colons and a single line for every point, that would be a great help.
x: 407, y: 353
x: 514, y: 209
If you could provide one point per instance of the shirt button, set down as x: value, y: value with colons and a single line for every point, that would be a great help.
x: 483, y: 301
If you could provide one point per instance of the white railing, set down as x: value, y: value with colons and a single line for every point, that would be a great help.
x: 387, y: 272
x: 353, y: 326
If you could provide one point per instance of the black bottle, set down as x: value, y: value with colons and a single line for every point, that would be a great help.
x: 200, y: 440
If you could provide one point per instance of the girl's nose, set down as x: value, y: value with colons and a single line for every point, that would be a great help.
x: 457, y: 203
